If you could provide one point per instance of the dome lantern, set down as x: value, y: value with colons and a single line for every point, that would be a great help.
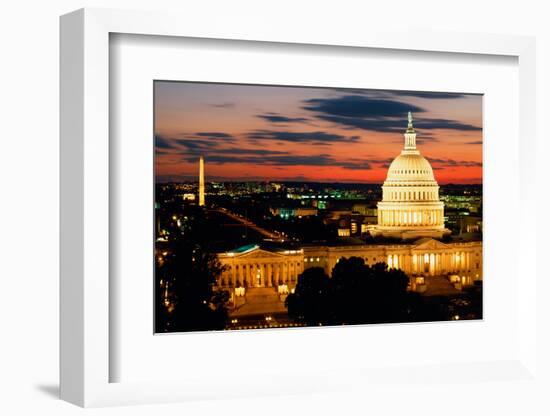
x: 410, y: 135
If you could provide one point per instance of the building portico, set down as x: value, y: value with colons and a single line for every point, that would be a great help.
x: 252, y: 266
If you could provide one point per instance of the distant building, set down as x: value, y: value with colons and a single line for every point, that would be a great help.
x: 472, y: 203
x: 294, y: 212
x: 349, y: 223
x: 276, y: 187
x: 470, y: 224
x: 344, y: 232
x: 365, y: 209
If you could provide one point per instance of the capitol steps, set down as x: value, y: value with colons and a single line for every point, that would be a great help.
x: 439, y: 286
x: 260, y: 301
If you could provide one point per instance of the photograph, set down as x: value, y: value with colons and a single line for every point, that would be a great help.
x: 297, y: 206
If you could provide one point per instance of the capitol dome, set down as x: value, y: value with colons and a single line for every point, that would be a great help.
x: 410, y: 206
x: 410, y: 167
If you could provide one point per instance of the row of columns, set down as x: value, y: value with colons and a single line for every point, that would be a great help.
x: 393, y: 195
x: 269, y: 274
x: 261, y: 274
x: 431, y: 263
x: 407, y: 218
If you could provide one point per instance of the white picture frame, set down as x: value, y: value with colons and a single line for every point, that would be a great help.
x: 85, y: 213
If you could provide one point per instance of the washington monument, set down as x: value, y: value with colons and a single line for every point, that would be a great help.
x: 201, y: 181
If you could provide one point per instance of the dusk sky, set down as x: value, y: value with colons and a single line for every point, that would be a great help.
x: 250, y: 132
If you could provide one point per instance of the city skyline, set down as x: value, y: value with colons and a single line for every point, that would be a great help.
x: 274, y: 133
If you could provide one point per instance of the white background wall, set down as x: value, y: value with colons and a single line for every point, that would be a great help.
x: 29, y: 57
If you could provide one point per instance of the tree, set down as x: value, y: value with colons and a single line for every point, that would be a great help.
x: 310, y: 301
x: 192, y: 272
x: 356, y: 294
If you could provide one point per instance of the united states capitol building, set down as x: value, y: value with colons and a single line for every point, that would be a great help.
x: 410, y: 215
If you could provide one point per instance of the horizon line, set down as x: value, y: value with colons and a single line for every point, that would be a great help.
x: 304, y: 181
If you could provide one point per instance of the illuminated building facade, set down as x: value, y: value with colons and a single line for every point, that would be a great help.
x: 254, y: 267
x: 294, y: 212
x: 410, y: 206
x: 251, y: 266
x: 423, y: 258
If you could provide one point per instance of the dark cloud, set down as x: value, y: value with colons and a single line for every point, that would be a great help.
x: 283, y: 160
x: 429, y: 95
x: 262, y: 152
x: 162, y: 152
x: 277, y: 118
x: 476, y: 142
x: 208, y: 143
x: 197, y: 146
x: 393, y: 94
x: 386, y: 160
x: 164, y: 143
x: 214, y: 134
x: 444, y: 124
x: 377, y: 114
x: 314, y: 137
x: 449, y: 163
x: 359, y: 106
x: 197, y: 143
x: 382, y: 125
x: 397, y: 125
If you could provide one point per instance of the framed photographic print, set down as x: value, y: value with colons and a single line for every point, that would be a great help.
x: 305, y: 213
x: 281, y: 206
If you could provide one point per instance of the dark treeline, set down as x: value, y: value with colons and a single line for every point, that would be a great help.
x: 190, y: 269
x: 358, y: 294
